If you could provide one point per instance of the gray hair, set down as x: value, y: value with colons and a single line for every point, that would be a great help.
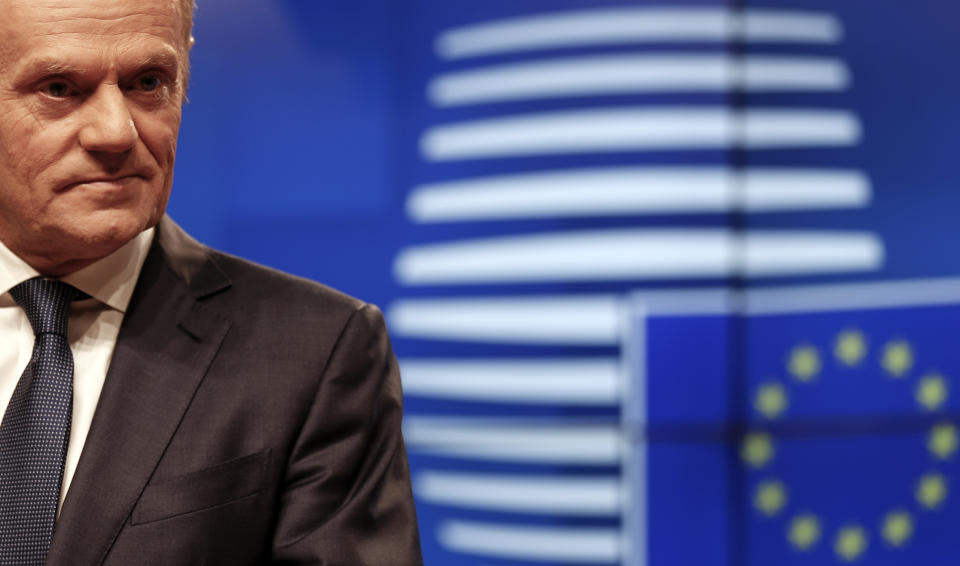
x: 186, y: 15
x: 186, y: 21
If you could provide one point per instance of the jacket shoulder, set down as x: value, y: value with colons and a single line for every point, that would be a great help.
x: 244, y: 273
x: 206, y: 269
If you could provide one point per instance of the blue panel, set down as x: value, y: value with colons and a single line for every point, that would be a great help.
x: 689, y: 505
x: 689, y: 364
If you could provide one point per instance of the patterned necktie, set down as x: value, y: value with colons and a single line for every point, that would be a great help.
x: 36, y: 427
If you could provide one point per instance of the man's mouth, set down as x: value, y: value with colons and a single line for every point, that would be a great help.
x: 104, y: 183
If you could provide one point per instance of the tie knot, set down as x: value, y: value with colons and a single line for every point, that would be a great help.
x: 47, y: 303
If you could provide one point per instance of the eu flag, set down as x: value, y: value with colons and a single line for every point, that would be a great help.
x: 833, y: 442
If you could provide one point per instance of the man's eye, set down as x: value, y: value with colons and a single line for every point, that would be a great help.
x: 149, y: 83
x: 57, y: 89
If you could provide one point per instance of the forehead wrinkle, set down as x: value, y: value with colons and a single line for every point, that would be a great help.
x: 62, y: 20
x: 114, y: 30
x: 61, y: 12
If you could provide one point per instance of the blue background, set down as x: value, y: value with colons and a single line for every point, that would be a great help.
x: 300, y: 144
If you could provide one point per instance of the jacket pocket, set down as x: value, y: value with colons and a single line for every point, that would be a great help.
x: 202, y: 489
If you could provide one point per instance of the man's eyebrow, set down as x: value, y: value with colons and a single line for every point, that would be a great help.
x: 168, y: 61
x: 33, y: 69
x: 46, y: 67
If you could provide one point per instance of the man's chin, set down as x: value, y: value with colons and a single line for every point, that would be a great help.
x: 80, y: 248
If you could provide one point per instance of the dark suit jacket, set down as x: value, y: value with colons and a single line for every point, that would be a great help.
x: 247, y: 417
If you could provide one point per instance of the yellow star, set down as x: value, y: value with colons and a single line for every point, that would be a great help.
x: 771, y: 400
x: 851, y: 542
x: 804, y: 363
x: 770, y: 498
x: 897, y: 358
x: 804, y: 532
x: 943, y: 440
x: 931, y: 490
x: 897, y: 528
x: 932, y: 392
x: 757, y: 449
x: 850, y: 348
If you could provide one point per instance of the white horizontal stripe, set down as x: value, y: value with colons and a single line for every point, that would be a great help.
x: 581, y: 545
x: 591, y: 381
x: 633, y: 74
x: 631, y: 25
x: 851, y: 296
x: 772, y: 190
x: 782, y: 73
x: 619, y: 191
x: 547, y: 495
x: 511, y: 441
x: 585, y: 320
x: 639, y: 128
x: 802, y: 253
x: 783, y: 26
x: 605, y: 255
x: 571, y: 256
x: 764, y: 129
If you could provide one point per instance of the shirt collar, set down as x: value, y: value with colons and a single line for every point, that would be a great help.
x: 110, y: 280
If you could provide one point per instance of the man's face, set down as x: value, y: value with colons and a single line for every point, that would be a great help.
x: 90, y: 97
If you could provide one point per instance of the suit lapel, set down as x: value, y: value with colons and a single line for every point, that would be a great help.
x: 166, y: 343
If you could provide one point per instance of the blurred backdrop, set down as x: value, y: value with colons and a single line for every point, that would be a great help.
x: 670, y: 283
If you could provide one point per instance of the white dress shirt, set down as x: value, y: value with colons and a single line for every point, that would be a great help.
x: 92, y: 331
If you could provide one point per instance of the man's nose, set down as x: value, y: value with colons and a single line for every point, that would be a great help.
x: 108, y: 124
